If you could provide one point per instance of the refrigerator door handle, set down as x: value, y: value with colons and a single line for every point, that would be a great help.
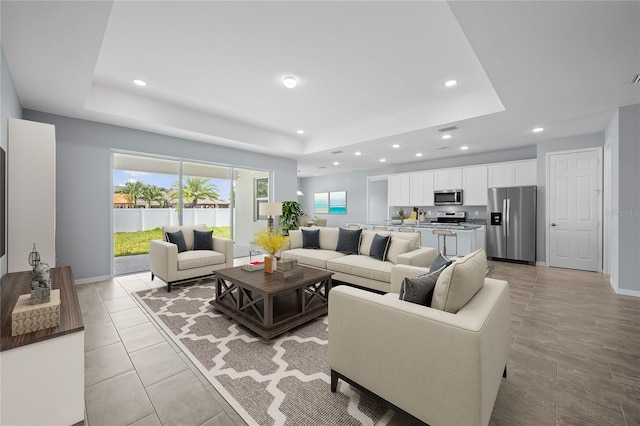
x: 508, y: 213
x: 505, y: 217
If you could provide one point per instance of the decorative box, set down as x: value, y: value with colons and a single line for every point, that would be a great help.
x: 290, y: 274
x: 287, y: 265
x: 27, y: 318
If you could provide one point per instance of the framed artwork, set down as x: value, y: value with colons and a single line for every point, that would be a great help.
x: 321, y: 203
x: 338, y: 202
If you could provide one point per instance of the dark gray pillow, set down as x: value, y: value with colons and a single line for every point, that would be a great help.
x: 311, y: 239
x: 178, y: 239
x: 439, y: 262
x: 379, y: 247
x: 419, y: 289
x: 202, y: 240
x: 348, y: 241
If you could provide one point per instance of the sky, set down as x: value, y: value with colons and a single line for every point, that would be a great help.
x: 163, y: 180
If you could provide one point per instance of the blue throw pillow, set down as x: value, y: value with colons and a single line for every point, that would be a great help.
x: 202, y: 240
x: 311, y: 239
x: 439, y: 262
x: 178, y: 239
x: 379, y: 247
x: 348, y: 241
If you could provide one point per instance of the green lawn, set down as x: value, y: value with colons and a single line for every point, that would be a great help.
x: 131, y: 243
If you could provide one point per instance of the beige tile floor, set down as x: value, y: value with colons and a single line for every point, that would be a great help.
x: 575, y: 357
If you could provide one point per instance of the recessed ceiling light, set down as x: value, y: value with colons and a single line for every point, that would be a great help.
x: 289, y: 82
x: 395, y: 145
x: 450, y: 83
x: 419, y: 154
x: 357, y: 153
x: 138, y: 82
x: 300, y: 132
x: 446, y: 136
x: 382, y: 160
x: 537, y: 129
x: 464, y: 148
x: 336, y: 163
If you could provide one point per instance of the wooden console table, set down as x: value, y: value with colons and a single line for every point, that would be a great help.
x: 43, y: 371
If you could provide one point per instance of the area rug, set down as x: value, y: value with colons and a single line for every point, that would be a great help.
x: 283, y: 381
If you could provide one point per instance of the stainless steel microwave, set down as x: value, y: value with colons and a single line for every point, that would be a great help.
x: 447, y: 197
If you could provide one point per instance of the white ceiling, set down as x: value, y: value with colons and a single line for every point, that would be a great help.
x: 370, y: 74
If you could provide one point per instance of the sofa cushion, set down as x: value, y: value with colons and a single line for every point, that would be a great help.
x: 177, y: 238
x: 187, y: 232
x: 362, y: 266
x: 312, y: 257
x: 329, y: 238
x: 311, y: 239
x: 295, y: 238
x: 459, y: 282
x: 202, y: 240
x: 348, y: 241
x: 412, y: 237
x: 191, y: 259
x: 379, y: 247
x: 420, y: 289
x: 397, y: 246
x: 440, y: 262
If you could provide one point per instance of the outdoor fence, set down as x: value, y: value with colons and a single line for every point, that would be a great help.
x: 132, y: 220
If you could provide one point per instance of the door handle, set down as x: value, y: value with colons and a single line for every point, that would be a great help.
x: 553, y: 224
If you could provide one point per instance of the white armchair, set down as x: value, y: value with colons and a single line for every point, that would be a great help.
x: 172, y: 267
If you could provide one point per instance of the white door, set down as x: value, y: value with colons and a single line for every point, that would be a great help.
x: 574, y: 204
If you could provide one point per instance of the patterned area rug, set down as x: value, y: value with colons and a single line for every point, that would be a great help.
x: 283, y: 381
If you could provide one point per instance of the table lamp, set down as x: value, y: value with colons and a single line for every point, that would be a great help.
x: 270, y: 210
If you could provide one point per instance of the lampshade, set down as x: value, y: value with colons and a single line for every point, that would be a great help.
x: 270, y: 209
x: 299, y: 192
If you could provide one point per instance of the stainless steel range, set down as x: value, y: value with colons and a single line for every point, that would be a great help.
x: 449, y: 220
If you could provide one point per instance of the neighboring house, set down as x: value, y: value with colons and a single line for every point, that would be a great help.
x: 122, y: 201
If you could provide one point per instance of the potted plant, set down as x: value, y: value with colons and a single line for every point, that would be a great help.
x: 272, y: 242
x: 290, y: 217
x: 401, y: 214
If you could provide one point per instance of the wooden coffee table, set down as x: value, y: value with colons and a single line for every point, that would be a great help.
x: 268, y: 306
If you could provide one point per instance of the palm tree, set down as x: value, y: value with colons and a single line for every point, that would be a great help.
x: 152, y: 193
x: 196, y: 188
x: 133, y: 189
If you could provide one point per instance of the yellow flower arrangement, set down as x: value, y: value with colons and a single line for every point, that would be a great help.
x: 271, y: 241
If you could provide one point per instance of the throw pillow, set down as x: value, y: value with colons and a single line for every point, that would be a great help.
x: 419, y: 289
x: 459, y: 282
x: 348, y: 241
x: 311, y: 239
x: 397, y: 246
x: 439, y: 262
x: 202, y: 240
x: 379, y: 247
x: 178, y: 239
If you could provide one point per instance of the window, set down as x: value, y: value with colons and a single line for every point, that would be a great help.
x: 261, y: 195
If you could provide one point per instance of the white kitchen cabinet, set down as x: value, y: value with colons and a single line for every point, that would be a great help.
x: 474, y: 185
x: 399, y: 190
x: 447, y: 179
x: 512, y: 173
x: 421, y: 189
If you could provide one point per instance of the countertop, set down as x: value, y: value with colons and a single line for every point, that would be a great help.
x: 428, y: 225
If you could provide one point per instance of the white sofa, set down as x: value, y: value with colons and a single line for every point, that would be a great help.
x: 443, y: 368
x: 360, y: 269
x: 172, y: 267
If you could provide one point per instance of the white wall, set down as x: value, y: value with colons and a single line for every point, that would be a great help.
x: 611, y: 192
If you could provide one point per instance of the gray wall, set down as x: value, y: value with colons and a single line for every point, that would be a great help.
x: 9, y: 108
x: 83, y: 182
x: 554, y: 145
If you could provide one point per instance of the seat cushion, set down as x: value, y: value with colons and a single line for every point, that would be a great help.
x: 362, y: 266
x: 459, y: 282
x: 191, y: 259
x: 312, y: 257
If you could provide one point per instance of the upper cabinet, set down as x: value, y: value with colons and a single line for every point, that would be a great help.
x: 513, y: 173
x: 474, y: 185
x: 399, y: 187
x: 421, y: 189
x: 447, y: 179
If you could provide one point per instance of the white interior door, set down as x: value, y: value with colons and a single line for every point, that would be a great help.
x: 573, y: 209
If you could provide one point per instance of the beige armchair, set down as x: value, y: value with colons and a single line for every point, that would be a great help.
x: 172, y: 267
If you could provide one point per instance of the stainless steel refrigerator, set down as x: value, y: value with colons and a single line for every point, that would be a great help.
x: 511, y: 231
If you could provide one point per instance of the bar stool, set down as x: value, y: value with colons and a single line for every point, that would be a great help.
x: 406, y: 229
x: 353, y: 226
x: 380, y: 228
x: 444, y: 233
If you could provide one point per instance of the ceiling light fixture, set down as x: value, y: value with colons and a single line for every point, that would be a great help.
x: 464, y: 148
x: 446, y: 136
x: 357, y: 153
x: 395, y: 145
x: 537, y: 129
x: 419, y: 154
x: 300, y: 132
x: 450, y: 83
x: 139, y: 82
x: 289, y: 82
x: 336, y: 163
x: 382, y: 160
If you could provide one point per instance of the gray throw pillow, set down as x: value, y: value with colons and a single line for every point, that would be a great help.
x: 419, y: 289
x: 310, y: 239
x: 202, y: 240
x: 439, y: 262
x: 178, y: 239
x: 348, y: 241
x: 379, y: 247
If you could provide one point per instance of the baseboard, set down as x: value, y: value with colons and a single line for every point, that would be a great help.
x: 541, y: 264
x: 625, y: 292
x: 93, y: 280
